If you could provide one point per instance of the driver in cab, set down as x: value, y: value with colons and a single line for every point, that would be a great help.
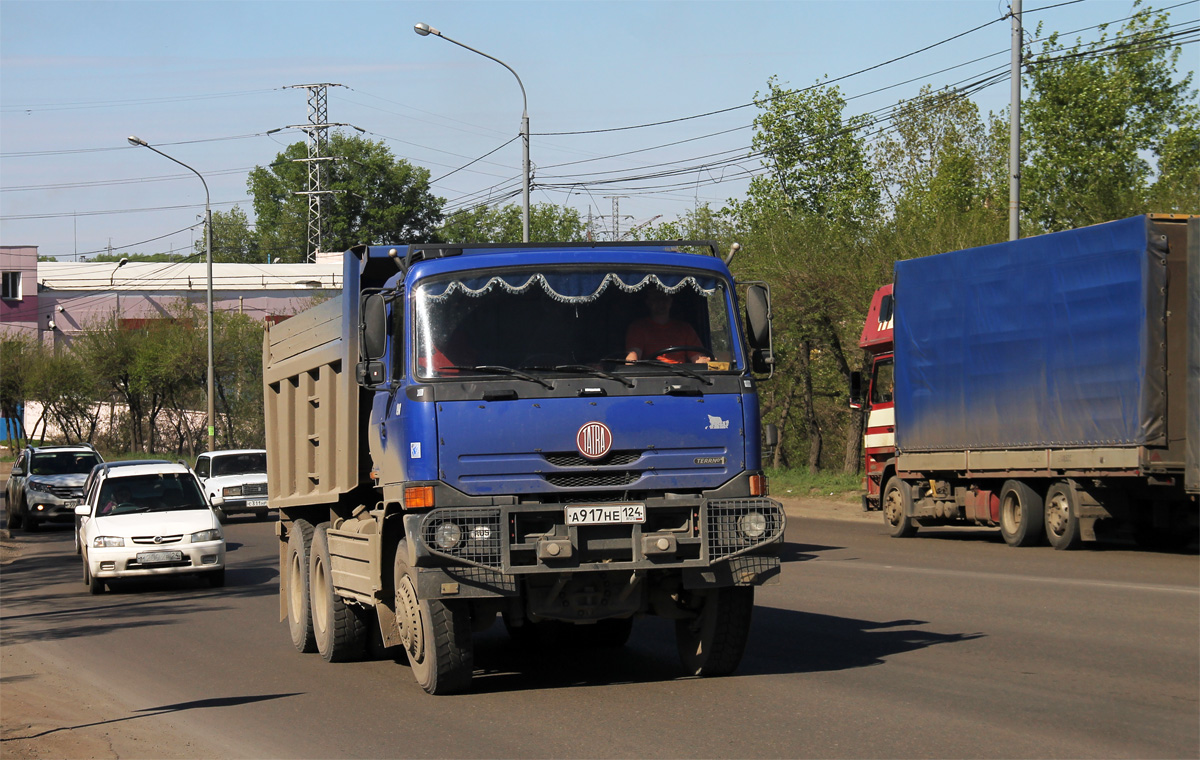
x: 650, y: 337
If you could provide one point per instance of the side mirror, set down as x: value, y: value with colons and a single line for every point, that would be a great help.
x: 83, y: 510
x: 758, y: 316
x: 762, y: 361
x: 771, y: 435
x: 856, y: 390
x: 373, y: 326
x: 369, y: 374
x: 17, y: 472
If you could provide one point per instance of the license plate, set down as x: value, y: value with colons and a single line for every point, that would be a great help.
x: 256, y: 503
x: 70, y: 503
x: 606, y: 514
x: 157, y: 558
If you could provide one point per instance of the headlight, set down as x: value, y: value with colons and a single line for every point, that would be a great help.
x: 447, y: 535
x: 36, y: 487
x: 231, y: 491
x: 107, y: 541
x: 213, y: 534
x: 752, y: 524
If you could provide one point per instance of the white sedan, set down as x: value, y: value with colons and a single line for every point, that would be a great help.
x: 147, y: 519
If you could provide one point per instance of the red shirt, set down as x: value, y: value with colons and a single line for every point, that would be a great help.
x: 651, y: 338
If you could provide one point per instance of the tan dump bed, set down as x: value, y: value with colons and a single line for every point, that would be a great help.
x: 311, y: 405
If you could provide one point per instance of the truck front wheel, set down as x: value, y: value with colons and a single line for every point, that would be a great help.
x: 712, y: 643
x: 1021, y: 514
x: 436, y: 634
x: 340, y: 630
x: 1062, y: 516
x: 299, y: 612
x: 897, y: 508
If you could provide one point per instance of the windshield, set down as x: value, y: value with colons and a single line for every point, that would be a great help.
x: 150, y: 493
x: 573, y: 321
x: 63, y: 463
x: 240, y: 464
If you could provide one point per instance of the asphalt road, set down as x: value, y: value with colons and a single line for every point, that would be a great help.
x: 950, y: 644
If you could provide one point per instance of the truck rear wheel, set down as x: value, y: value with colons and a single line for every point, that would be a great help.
x: 435, y: 634
x: 340, y: 629
x: 299, y: 613
x: 897, y: 508
x: 713, y: 642
x: 1062, y: 516
x: 1021, y: 514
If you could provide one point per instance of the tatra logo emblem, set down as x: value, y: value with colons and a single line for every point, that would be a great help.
x: 594, y: 440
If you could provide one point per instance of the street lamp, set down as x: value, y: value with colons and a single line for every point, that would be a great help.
x: 112, y: 277
x: 212, y: 430
x: 425, y: 30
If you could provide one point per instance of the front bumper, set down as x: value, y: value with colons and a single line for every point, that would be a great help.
x: 521, y: 539
x: 234, y: 506
x: 49, y: 508
x: 122, y: 561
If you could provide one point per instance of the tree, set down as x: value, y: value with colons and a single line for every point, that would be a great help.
x: 232, y: 239
x: 16, y: 352
x: 816, y: 158
x: 375, y: 198
x: 548, y: 223
x: 1096, y: 115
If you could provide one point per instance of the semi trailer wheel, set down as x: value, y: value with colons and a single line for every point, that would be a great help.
x: 299, y: 613
x: 1062, y: 516
x: 339, y: 629
x: 1021, y: 514
x: 897, y: 508
x: 712, y: 643
x: 436, y: 634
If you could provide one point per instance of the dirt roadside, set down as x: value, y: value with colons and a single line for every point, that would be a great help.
x: 44, y: 715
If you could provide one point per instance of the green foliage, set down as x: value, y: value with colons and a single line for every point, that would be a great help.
x: 232, y: 239
x: 548, y: 223
x: 1096, y: 114
x: 816, y: 156
x: 144, y: 257
x: 376, y: 199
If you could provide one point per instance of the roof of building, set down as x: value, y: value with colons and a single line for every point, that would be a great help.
x: 142, y: 276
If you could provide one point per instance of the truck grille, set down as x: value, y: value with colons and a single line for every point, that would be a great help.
x: 254, y: 489
x: 727, y: 533
x: 593, y: 479
x: 572, y: 459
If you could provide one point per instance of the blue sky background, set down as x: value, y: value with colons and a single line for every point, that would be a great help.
x: 205, y: 81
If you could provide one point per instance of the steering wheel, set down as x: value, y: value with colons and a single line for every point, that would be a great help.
x: 701, y: 350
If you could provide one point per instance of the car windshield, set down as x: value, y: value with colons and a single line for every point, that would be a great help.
x: 63, y: 463
x: 165, y: 492
x: 254, y: 463
x: 549, y: 321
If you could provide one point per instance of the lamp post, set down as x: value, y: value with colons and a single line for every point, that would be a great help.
x: 212, y: 430
x: 425, y: 30
x: 113, y: 277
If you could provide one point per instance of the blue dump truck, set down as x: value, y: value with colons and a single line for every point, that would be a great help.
x: 1045, y: 386
x: 469, y: 433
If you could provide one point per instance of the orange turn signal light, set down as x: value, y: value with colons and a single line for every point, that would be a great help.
x: 758, y: 485
x: 418, y: 497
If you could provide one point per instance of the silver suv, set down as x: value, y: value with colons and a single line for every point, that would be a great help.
x: 47, y: 482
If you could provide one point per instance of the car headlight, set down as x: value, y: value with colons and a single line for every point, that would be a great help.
x: 36, y: 487
x: 753, y: 524
x: 107, y: 541
x: 213, y: 534
x: 231, y: 491
x: 447, y: 535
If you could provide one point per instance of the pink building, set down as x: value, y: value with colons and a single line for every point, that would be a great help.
x: 18, y: 297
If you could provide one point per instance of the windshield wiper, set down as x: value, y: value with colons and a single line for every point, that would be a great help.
x: 501, y: 370
x: 588, y: 370
x: 672, y: 367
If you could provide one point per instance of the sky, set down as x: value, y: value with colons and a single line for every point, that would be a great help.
x: 210, y: 82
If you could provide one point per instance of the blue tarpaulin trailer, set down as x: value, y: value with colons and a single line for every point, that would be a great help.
x: 1043, y: 385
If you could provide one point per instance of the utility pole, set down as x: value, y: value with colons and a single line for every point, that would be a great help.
x: 318, y: 147
x: 616, y: 213
x: 1014, y: 129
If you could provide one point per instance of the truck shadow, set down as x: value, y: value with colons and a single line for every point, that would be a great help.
x: 781, y: 642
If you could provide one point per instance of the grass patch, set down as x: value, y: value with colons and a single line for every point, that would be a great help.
x: 825, y: 485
